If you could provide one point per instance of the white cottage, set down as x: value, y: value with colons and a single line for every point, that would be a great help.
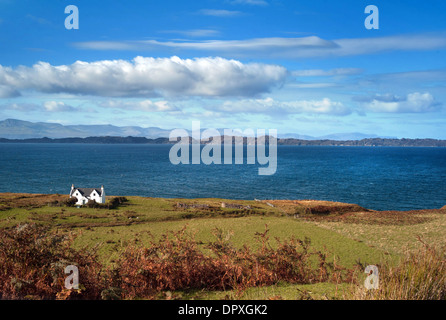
x: 83, y: 195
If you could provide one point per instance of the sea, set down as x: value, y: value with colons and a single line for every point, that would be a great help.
x: 377, y: 178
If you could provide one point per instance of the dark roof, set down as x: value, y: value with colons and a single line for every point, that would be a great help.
x: 87, y: 191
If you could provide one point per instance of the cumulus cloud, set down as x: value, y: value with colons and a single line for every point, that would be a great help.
x: 147, y: 77
x: 273, y: 107
x: 412, y: 103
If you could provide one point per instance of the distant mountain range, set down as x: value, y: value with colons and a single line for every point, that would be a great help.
x: 19, y: 129
x: 335, y: 136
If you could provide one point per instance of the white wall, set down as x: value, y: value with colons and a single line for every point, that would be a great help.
x: 81, y: 200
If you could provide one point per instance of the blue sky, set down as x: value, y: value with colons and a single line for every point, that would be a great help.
x: 308, y: 67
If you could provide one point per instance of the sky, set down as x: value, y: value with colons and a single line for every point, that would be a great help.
x: 306, y: 67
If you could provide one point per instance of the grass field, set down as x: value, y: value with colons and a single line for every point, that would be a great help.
x: 347, y: 232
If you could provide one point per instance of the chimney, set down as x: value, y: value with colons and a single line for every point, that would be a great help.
x: 102, y: 194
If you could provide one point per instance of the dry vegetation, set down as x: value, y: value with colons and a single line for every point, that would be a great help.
x: 175, y: 262
x: 314, y: 207
x: 27, y: 200
x: 33, y: 263
x: 421, y: 275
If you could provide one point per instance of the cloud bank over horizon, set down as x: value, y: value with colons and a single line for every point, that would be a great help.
x: 146, y: 77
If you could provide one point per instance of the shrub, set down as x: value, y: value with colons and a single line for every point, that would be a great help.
x: 33, y: 261
x: 70, y: 202
x: 94, y: 204
x: 116, y: 202
x: 113, y: 203
x: 420, y: 275
x: 169, y: 264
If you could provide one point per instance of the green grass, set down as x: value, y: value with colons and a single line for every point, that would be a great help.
x: 397, y: 240
x: 281, y: 291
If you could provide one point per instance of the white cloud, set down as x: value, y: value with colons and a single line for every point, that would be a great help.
x: 38, y: 20
x: 412, y: 103
x: 58, y: 121
x: 219, y: 13
x: 144, y: 105
x: 47, y: 106
x: 302, y: 47
x: 273, y: 107
x: 22, y: 107
x: 275, y: 46
x: 315, y: 85
x: 196, y: 33
x: 147, y: 77
x: 360, y: 46
x: 326, y: 73
x: 57, y: 106
x: 251, y: 2
x: 423, y: 78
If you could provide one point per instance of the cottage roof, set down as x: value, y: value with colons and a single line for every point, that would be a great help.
x: 87, y: 191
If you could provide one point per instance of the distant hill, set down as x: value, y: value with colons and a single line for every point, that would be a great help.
x: 351, y: 136
x: 374, y: 142
x: 295, y: 136
x: 334, y: 136
x: 19, y: 129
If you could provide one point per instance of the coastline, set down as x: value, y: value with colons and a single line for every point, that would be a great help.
x: 322, y: 207
x: 370, y: 142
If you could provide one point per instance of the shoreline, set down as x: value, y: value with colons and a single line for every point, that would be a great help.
x: 369, y: 142
x: 334, y: 206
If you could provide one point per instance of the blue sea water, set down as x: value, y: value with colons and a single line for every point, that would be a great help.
x: 379, y: 178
